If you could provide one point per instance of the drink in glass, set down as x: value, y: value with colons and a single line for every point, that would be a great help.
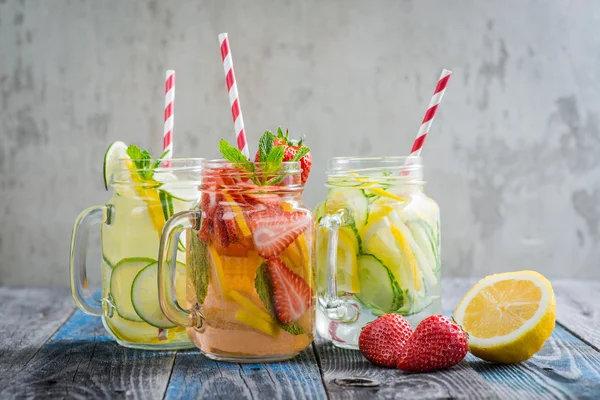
x: 145, y: 193
x: 378, y: 246
x: 250, y: 286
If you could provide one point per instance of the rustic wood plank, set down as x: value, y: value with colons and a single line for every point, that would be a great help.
x: 578, y: 308
x: 29, y: 317
x: 565, y: 368
x: 82, y: 361
x: 196, y: 377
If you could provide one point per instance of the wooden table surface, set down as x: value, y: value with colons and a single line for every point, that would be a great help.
x: 50, y: 350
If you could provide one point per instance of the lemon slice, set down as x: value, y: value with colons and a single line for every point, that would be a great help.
x: 508, y: 316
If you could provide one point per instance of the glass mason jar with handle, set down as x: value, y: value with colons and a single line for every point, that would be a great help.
x: 378, y: 246
x: 250, y: 290
x: 131, y: 222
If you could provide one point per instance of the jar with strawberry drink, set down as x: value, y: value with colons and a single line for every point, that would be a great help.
x: 250, y: 289
x: 378, y: 246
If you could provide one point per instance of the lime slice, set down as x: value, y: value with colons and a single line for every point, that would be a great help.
x: 121, y: 281
x: 144, y: 294
x: 116, y: 151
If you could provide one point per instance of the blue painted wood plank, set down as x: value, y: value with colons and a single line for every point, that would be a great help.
x: 565, y: 368
x: 197, y: 377
x: 82, y: 360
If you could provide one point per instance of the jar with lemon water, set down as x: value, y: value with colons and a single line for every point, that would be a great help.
x: 378, y: 246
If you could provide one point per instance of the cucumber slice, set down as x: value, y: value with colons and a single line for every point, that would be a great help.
x: 144, y: 295
x: 379, y: 289
x: 129, y: 331
x: 121, y: 280
x: 427, y: 242
x: 116, y: 151
x: 347, y: 252
x: 353, y: 200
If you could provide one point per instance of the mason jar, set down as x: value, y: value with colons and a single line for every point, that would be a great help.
x: 378, y: 246
x: 250, y: 283
x: 131, y: 222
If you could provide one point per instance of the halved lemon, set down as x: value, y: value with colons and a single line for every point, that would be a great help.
x: 508, y: 316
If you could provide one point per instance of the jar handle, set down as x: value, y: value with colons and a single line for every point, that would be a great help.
x: 167, y: 263
x: 335, y: 308
x: 78, y: 258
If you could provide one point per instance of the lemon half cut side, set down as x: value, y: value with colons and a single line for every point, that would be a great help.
x: 508, y: 316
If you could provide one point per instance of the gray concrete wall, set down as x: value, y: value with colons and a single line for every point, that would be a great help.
x: 513, y: 157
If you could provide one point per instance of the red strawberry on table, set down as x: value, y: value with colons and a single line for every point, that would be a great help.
x: 274, y: 230
x: 437, y: 343
x: 382, y: 340
x: 291, y: 294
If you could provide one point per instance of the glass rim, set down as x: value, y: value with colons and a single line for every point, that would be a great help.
x: 396, y: 170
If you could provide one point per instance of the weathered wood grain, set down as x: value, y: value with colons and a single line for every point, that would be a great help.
x: 578, y: 308
x: 196, y: 377
x: 566, y: 368
x: 340, y: 365
x: 29, y: 317
x: 82, y: 361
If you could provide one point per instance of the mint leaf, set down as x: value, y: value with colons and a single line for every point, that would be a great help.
x: 274, y: 159
x: 141, y: 160
x: 264, y: 288
x: 280, y: 133
x: 301, y: 153
x: 265, y: 144
x: 198, y: 265
x: 235, y: 156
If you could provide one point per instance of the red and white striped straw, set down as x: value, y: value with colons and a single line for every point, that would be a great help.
x: 436, y: 99
x: 169, y: 116
x: 234, y: 101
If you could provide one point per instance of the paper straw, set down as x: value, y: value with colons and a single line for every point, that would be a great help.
x: 169, y: 116
x: 436, y: 99
x: 234, y: 101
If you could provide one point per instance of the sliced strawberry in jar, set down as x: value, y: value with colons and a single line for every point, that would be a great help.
x: 209, y: 206
x: 274, y: 230
x: 228, y: 217
x: 266, y: 199
x: 221, y: 235
x: 291, y: 294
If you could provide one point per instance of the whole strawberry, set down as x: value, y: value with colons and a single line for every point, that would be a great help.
x: 382, y: 340
x: 437, y: 343
x: 293, y: 151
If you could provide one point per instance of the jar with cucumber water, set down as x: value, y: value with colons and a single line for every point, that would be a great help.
x: 378, y: 246
x: 146, y: 192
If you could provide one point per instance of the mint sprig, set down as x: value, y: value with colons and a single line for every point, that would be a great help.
x: 265, y: 145
x: 142, y: 161
x: 268, y: 153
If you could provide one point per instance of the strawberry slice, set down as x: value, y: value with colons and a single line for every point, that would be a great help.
x: 221, y: 229
x: 266, y: 199
x: 209, y: 207
x: 274, y: 230
x: 291, y: 294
